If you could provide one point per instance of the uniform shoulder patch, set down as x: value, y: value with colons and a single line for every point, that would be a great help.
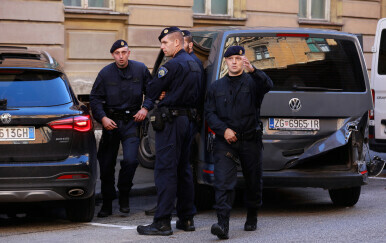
x: 162, y: 71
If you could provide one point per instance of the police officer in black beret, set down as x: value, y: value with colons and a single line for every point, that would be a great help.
x: 180, y: 78
x: 116, y: 102
x: 232, y: 110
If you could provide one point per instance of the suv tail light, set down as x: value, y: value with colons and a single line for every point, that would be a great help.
x: 77, y: 123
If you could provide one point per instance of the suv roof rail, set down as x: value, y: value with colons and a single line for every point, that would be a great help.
x: 48, y: 57
x: 15, y: 47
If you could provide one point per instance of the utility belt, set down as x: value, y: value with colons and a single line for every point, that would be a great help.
x: 163, y: 114
x: 250, y: 134
x: 121, y: 115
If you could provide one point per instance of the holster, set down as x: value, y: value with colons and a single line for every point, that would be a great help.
x: 159, y: 117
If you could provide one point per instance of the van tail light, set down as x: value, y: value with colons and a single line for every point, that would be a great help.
x: 291, y: 35
x: 371, y: 112
x: 77, y: 123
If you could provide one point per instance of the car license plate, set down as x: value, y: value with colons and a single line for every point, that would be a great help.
x: 17, y: 133
x: 293, y: 124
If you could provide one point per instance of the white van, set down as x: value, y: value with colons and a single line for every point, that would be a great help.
x: 377, y: 117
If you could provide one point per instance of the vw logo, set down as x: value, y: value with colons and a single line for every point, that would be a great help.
x: 5, y: 118
x: 295, y: 104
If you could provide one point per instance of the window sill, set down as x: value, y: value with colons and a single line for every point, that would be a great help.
x: 325, y: 24
x: 94, y: 13
x: 205, y: 20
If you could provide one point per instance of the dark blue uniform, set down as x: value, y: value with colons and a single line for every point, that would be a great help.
x: 234, y: 102
x: 180, y: 78
x: 117, y: 92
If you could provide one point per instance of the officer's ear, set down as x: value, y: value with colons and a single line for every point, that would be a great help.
x: 190, y: 45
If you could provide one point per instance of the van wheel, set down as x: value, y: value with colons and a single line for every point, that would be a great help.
x: 81, y: 210
x: 145, y: 156
x: 346, y: 197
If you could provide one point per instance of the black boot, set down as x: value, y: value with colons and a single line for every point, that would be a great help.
x: 185, y: 224
x: 124, y: 202
x: 158, y: 227
x: 251, y: 222
x: 221, y: 229
x: 106, y: 210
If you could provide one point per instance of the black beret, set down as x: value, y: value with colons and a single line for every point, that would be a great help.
x: 234, y: 50
x: 118, y: 44
x: 167, y: 31
x: 185, y: 33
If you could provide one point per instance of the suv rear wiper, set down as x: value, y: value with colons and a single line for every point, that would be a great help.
x: 295, y: 87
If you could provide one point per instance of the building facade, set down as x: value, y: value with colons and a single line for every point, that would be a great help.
x: 79, y: 33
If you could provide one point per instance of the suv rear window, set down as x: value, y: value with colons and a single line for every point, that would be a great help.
x: 31, y: 88
x: 304, y: 63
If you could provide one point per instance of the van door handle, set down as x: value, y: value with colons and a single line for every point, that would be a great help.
x: 383, y: 122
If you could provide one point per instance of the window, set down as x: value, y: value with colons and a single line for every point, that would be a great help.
x: 89, y: 3
x: 382, y: 54
x: 314, y: 9
x: 303, y: 63
x: 261, y: 52
x: 33, y: 88
x: 213, y: 7
x: 318, y: 45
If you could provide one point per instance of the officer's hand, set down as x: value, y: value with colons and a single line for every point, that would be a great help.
x: 230, y: 135
x: 162, y: 96
x: 247, y: 65
x: 108, y: 124
x: 141, y: 115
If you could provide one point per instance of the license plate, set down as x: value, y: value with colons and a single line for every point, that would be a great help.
x: 17, y: 133
x: 294, y: 124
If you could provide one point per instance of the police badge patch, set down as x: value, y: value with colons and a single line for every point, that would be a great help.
x: 162, y: 71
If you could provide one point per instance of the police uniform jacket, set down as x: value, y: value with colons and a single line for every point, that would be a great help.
x: 203, y: 83
x: 236, y: 106
x: 120, y: 89
x: 180, y: 77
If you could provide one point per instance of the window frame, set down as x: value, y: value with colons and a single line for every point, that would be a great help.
x: 84, y: 5
x: 308, y: 11
x: 208, y: 9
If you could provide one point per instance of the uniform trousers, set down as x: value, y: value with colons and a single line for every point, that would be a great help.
x: 249, y: 153
x: 172, y: 173
x: 126, y: 133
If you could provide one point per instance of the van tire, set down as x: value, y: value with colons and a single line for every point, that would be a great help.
x: 81, y: 210
x: 346, y: 197
x: 145, y: 156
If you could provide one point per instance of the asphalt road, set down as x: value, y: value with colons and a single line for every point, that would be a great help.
x: 288, y: 215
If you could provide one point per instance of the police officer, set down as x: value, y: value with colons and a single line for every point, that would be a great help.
x: 188, y: 47
x: 116, y: 99
x: 180, y: 78
x: 232, y: 110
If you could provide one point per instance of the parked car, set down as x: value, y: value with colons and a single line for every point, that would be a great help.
x: 314, y: 119
x: 47, y: 143
x: 377, y: 116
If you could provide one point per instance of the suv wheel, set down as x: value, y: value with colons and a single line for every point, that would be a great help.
x: 81, y: 210
x: 346, y: 197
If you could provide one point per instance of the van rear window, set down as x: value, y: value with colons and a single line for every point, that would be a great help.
x: 30, y: 88
x: 382, y: 54
x: 304, y: 63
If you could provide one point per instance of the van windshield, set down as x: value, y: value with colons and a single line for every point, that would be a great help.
x: 304, y: 63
